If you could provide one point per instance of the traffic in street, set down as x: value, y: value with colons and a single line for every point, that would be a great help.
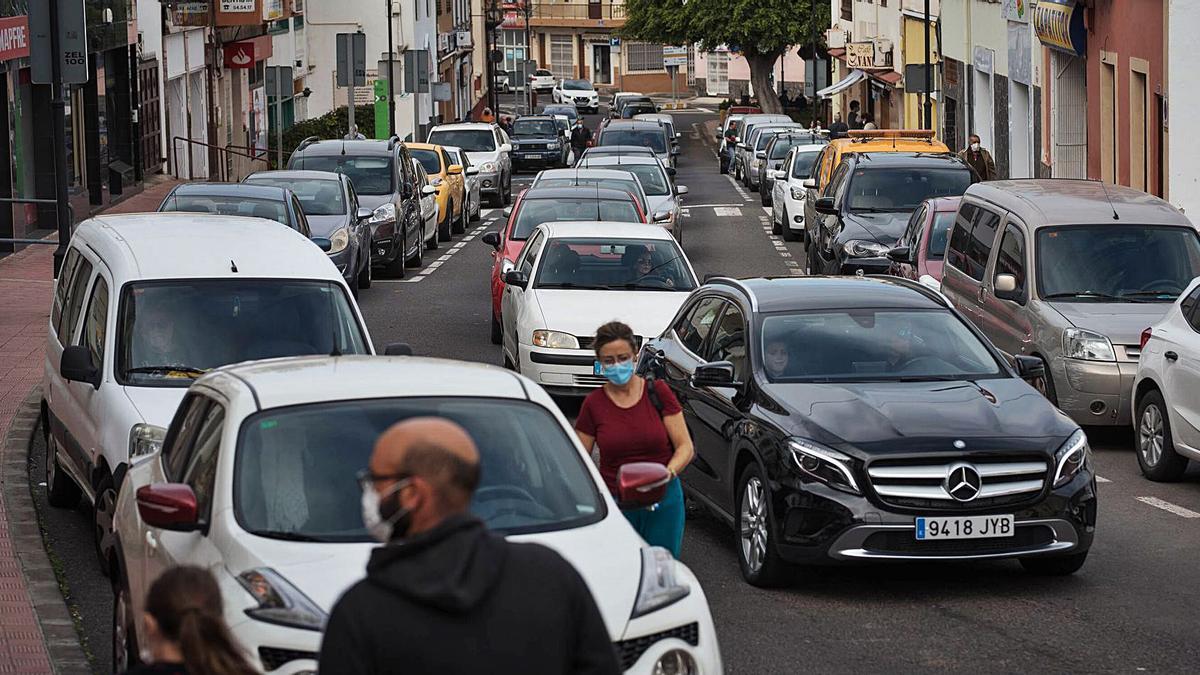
x: 848, y: 388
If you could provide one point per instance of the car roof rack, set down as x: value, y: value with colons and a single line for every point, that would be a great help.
x: 307, y: 142
x: 921, y: 288
x: 393, y: 141
x: 735, y: 283
x: 868, y: 135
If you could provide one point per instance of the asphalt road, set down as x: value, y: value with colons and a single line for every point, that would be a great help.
x: 1131, y: 608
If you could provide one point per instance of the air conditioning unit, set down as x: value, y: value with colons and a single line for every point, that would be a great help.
x: 883, y: 53
x: 836, y: 38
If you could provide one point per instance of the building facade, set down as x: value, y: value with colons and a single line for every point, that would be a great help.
x: 722, y: 72
x: 865, y: 49
x: 1183, y: 85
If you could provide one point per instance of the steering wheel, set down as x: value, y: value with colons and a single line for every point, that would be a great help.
x: 493, y: 492
x: 664, y: 281
x: 1170, y: 285
x: 917, y: 361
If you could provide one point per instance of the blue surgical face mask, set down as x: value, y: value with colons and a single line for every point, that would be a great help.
x: 618, y: 373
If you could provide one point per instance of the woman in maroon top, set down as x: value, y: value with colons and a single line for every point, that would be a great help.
x: 623, y: 420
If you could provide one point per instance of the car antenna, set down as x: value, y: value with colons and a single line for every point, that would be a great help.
x: 232, y: 266
x: 1116, y: 216
x: 337, y: 351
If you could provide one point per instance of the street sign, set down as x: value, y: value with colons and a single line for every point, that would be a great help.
x: 441, y: 91
x: 416, y: 71
x: 381, y: 104
x: 914, y: 79
x: 674, y: 56
x: 614, y: 42
x: 278, y: 81
x: 72, y: 42
x: 239, y: 54
x: 814, y: 82
x: 358, y: 45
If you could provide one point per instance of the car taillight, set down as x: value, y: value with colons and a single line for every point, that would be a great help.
x: 1145, y: 337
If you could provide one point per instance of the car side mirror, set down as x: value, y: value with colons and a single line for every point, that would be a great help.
x: 742, y: 146
x: 681, y: 189
x: 662, y: 216
x: 77, y: 366
x: 491, y: 239
x: 761, y: 154
x: 779, y: 175
x: 323, y: 243
x: 427, y: 190
x: 810, y: 183
x: 929, y: 282
x: 398, y: 349
x: 641, y: 484
x: 716, y: 374
x: 1030, y: 367
x: 364, y: 214
x: 507, y: 212
x: 516, y: 278
x: 826, y: 206
x: 454, y: 170
x: 1005, y: 287
x: 506, y: 148
x: 901, y: 254
x: 168, y: 506
x: 472, y: 170
x: 671, y: 171
x: 675, y: 150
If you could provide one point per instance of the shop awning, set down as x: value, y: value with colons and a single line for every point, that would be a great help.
x: 846, y: 82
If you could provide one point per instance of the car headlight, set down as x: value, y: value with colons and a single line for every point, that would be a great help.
x: 824, y: 464
x: 383, y: 213
x: 280, y: 602
x: 1071, y: 458
x: 487, y: 167
x: 658, y: 587
x: 340, y: 239
x: 145, y: 439
x: 553, y: 339
x: 861, y: 248
x: 799, y: 194
x: 553, y: 146
x: 1087, y: 346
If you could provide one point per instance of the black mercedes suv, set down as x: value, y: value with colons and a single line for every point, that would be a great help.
x: 843, y: 419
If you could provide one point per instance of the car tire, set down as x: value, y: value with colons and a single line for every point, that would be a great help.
x: 722, y: 167
x: 353, y: 284
x: 397, y: 268
x: 496, y: 200
x: 103, y: 514
x: 125, y: 653
x: 1054, y: 566
x: 754, y: 533
x: 475, y: 217
x: 1045, y: 384
x: 365, y: 276
x: 810, y: 255
x: 61, y: 491
x: 460, y: 225
x: 418, y: 255
x: 1155, y: 446
x: 446, y: 232
x: 507, y: 199
x: 786, y: 228
x: 497, y: 330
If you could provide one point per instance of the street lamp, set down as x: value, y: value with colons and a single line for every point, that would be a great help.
x: 493, y: 17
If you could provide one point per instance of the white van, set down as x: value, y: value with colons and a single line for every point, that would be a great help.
x: 147, y: 303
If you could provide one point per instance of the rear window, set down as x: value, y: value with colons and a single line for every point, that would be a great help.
x: 317, y: 197
x: 228, y: 206
x: 471, y: 140
x: 654, y: 139
x: 370, y: 174
x: 534, y: 212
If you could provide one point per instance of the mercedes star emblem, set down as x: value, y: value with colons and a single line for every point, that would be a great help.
x: 963, y: 482
x: 960, y: 445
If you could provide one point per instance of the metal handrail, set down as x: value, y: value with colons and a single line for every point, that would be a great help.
x: 34, y: 200
x: 222, y: 172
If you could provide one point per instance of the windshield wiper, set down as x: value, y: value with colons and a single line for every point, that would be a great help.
x: 1081, y: 294
x: 573, y: 285
x: 875, y: 209
x: 168, y: 368
x: 287, y: 536
x: 1162, y: 295
x: 929, y: 378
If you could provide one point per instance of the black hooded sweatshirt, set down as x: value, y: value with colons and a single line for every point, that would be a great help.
x: 459, y: 599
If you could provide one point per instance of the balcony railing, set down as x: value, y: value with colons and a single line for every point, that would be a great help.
x: 578, y: 11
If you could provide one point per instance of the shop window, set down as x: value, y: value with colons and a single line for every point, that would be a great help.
x: 642, y: 57
x: 562, y: 57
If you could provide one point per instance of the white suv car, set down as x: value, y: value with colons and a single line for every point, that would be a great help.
x: 489, y: 149
x: 147, y: 303
x: 256, y: 482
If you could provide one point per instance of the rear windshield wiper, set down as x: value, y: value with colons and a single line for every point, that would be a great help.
x: 168, y: 368
x: 287, y: 536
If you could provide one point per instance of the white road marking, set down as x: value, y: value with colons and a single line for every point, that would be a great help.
x: 1169, y: 507
x: 1102, y: 479
x: 728, y: 211
x: 429, y: 269
x: 706, y: 206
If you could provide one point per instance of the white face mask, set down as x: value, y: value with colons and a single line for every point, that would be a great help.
x: 378, y: 527
x: 975, y: 147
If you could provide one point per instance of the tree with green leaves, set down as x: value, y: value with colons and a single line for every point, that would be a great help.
x: 760, y: 30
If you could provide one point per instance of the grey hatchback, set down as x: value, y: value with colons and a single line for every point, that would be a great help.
x: 1071, y: 272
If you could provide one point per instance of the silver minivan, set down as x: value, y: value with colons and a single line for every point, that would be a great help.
x: 1072, y: 272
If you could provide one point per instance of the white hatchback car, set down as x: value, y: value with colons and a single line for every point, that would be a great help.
x: 570, y: 279
x: 147, y: 303
x: 542, y: 80
x: 581, y: 93
x: 256, y: 482
x: 788, y: 191
x: 1166, y: 391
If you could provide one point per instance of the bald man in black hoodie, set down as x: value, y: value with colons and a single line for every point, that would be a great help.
x: 445, y: 595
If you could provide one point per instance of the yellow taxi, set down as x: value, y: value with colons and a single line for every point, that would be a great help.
x: 450, y: 183
x: 874, y: 140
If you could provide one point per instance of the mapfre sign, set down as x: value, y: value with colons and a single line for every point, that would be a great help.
x: 14, y: 38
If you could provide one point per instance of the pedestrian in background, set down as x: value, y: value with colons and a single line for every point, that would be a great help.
x: 839, y: 128
x: 444, y: 595
x: 184, y: 627
x: 633, y: 419
x: 979, y: 159
x: 854, y: 119
x: 869, y: 122
x: 581, y: 137
x: 487, y: 116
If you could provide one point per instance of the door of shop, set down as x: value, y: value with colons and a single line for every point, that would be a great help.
x: 150, y: 116
x: 601, y: 60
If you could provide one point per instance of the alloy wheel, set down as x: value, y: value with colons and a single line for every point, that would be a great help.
x: 1150, y: 435
x: 753, y: 525
x: 122, y: 659
x: 51, y: 461
x: 105, y: 513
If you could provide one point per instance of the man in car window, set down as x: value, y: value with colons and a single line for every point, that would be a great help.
x: 443, y: 581
x: 154, y: 340
x: 775, y: 356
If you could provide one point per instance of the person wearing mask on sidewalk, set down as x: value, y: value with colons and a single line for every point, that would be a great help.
x: 979, y: 159
x: 444, y: 595
x: 184, y: 628
x: 634, y: 419
x: 581, y: 136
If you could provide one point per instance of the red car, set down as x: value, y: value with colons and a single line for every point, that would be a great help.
x: 539, y: 205
x: 923, y: 244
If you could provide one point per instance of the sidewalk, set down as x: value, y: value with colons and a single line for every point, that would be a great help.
x: 36, y: 631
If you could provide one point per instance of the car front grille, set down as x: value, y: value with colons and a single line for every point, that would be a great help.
x: 629, y: 651
x: 902, y: 542
x: 273, y: 657
x: 920, y: 482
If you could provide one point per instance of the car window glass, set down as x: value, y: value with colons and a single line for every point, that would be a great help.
x: 960, y: 237
x: 96, y: 323
x: 65, y: 279
x: 530, y: 253
x: 301, y: 219
x: 428, y: 159
x: 1122, y: 261
x: 230, y: 205
x: 983, y: 237
x: 1191, y: 308
x: 699, y: 324
x: 371, y: 174
x: 804, y: 163
x: 914, y: 226
x: 201, y: 471
x: 834, y: 182
x: 729, y: 341
x: 470, y: 140
x: 1011, y: 258
x: 180, y: 437
x: 75, y: 298
x: 939, y: 233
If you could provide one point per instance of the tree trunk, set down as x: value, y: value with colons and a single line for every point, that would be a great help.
x: 761, y: 66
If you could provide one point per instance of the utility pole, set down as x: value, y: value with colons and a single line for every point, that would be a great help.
x: 928, y: 74
x: 528, y: 10
x: 58, y: 106
x: 391, y: 85
x: 350, y: 87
